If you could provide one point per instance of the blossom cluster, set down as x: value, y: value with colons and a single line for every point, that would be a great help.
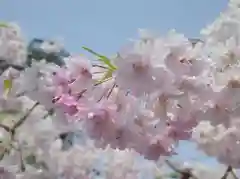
x: 153, y: 94
x: 131, y: 110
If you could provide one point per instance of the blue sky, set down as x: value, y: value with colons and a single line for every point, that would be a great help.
x: 106, y: 25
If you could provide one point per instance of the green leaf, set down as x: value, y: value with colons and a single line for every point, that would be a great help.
x: 7, y: 86
x: 107, y: 75
x: 102, y: 58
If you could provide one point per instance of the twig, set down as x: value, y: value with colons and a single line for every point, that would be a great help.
x: 98, y: 72
x: 7, y: 150
x: 185, y: 174
x: 6, y: 128
x: 111, y: 90
x: 46, y: 115
x: 3, y: 153
x: 226, y: 172
x: 103, y: 81
x: 49, y: 113
x: 80, y: 95
x: 15, y: 126
x: 100, y: 66
x: 229, y: 171
x: 19, y: 122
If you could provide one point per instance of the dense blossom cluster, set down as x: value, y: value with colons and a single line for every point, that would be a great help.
x: 128, y: 113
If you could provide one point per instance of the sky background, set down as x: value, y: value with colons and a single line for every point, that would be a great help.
x: 106, y: 25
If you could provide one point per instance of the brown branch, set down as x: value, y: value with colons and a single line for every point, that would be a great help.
x: 6, y: 128
x: 229, y: 171
x: 101, y: 82
x: 100, y: 66
x: 6, y: 150
x: 226, y: 172
x: 21, y: 120
x: 15, y: 126
x: 185, y: 174
x: 111, y: 90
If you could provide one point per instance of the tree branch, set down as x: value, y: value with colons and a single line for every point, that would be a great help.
x: 185, y: 174
x: 21, y: 120
x: 6, y: 128
x: 229, y: 171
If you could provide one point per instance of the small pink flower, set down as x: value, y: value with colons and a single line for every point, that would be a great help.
x: 68, y: 104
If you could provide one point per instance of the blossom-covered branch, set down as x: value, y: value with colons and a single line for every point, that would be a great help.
x: 127, y: 112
